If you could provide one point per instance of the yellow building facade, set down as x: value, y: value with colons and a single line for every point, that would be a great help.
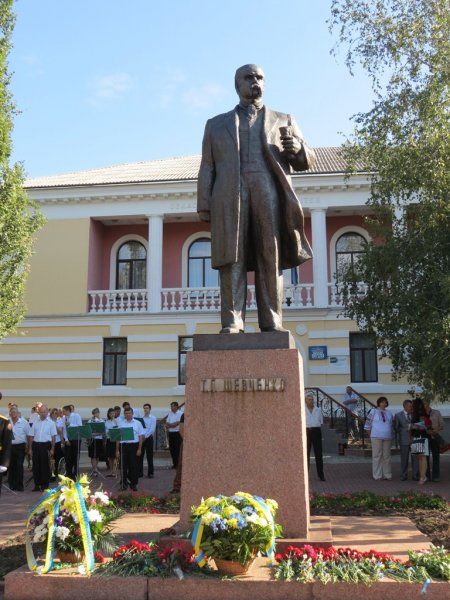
x: 120, y: 280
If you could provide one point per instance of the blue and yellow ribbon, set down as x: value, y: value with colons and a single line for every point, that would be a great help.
x: 50, y: 496
x: 270, y: 547
x: 51, y: 502
x: 196, y: 540
x: 85, y: 529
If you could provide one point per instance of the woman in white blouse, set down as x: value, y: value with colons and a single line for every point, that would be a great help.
x: 379, y: 423
x: 110, y: 423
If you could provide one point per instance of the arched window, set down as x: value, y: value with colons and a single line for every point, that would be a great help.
x: 200, y: 272
x: 349, y: 249
x: 131, y: 266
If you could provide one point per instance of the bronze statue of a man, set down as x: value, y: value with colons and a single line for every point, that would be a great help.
x: 245, y: 190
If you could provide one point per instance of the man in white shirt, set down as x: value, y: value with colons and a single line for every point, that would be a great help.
x: 21, y: 430
x: 314, y: 422
x: 136, y: 411
x: 43, y: 434
x: 72, y: 447
x: 350, y: 401
x: 173, y: 430
x: 131, y: 450
x: 149, y: 436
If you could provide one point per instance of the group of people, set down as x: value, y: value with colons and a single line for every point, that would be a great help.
x: 44, y: 440
x: 416, y: 428
x: 47, y: 437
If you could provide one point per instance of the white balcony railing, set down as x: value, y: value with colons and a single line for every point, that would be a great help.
x: 208, y: 299
x: 117, y: 301
x: 205, y: 299
x: 335, y: 293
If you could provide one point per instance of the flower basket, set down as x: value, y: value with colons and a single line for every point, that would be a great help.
x: 71, y: 520
x: 232, y: 567
x: 70, y: 557
x: 232, y: 530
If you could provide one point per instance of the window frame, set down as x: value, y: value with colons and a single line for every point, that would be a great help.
x: 182, y: 352
x: 337, y: 252
x: 120, y: 261
x: 352, y: 336
x: 332, y: 246
x: 293, y: 274
x: 198, y: 258
x: 115, y: 354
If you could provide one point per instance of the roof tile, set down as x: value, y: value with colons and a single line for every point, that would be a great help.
x: 183, y: 168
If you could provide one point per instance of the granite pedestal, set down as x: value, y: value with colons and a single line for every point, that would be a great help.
x: 245, y: 425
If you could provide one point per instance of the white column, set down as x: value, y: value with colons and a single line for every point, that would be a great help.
x: 154, y: 262
x: 320, y: 261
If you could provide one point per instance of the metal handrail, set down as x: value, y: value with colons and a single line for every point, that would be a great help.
x: 362, y: 397
x: 362, y: 407
x: 340, y: 415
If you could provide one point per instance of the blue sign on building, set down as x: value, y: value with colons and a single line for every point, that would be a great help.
x: 318, y: 352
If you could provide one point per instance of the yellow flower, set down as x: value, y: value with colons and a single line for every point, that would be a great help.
x: 233, y: 523
x: 230, y: 510
x: 211, y: 501
x: 208, y: 518
x: 273, y: 505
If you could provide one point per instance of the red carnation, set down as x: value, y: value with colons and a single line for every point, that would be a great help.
x: 99, y: 558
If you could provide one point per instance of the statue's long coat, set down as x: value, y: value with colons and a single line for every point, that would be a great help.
x: 218, y: 188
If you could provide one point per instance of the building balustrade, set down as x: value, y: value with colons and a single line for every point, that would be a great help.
x: 118, y: 301
x: 203, y: 299
x: 335, y: 293
x: 208, y: 299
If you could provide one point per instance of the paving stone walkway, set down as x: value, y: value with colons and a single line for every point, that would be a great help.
x: 346, y: 474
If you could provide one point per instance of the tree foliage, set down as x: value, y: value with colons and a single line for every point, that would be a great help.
x: 403, y: 143
x: 19, y: 216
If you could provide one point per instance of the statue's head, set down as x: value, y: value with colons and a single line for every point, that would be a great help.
x: 249, y: 82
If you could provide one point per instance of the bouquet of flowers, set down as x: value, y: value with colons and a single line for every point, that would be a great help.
x: 235, y: 528
x: 329, y: 565
x: 100, y: 512
x: 149, y: 560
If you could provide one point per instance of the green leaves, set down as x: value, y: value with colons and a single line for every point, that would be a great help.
x: 403, y: 142
x: 19, y: 216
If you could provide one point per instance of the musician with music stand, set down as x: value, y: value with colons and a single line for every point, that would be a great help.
x: 129, y: 448
x: 74, y: 436
x: 96, y: 443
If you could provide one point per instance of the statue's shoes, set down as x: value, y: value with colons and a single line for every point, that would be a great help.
x: 230, y: 330
x: 274, y: 329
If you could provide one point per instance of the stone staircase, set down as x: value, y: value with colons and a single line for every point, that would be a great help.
x: 343, y: 431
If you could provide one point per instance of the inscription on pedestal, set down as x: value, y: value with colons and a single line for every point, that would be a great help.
x: 238, y: 384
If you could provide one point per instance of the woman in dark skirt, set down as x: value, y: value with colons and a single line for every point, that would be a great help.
x: 96, y: 444
x: 110, y: 423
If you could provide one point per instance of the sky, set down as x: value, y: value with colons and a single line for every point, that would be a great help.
x: 103, y: 82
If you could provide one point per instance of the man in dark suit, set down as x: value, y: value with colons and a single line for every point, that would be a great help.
x: 5, y: 445
x: 245, y: 191
x: 402, y: 427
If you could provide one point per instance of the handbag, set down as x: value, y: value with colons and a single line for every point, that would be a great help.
x: 419, y: 446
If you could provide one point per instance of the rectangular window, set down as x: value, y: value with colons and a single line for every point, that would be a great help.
x: 363, y: 358
x: 115, y: 361
x: 290, y: 276
x: 184, y: 346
